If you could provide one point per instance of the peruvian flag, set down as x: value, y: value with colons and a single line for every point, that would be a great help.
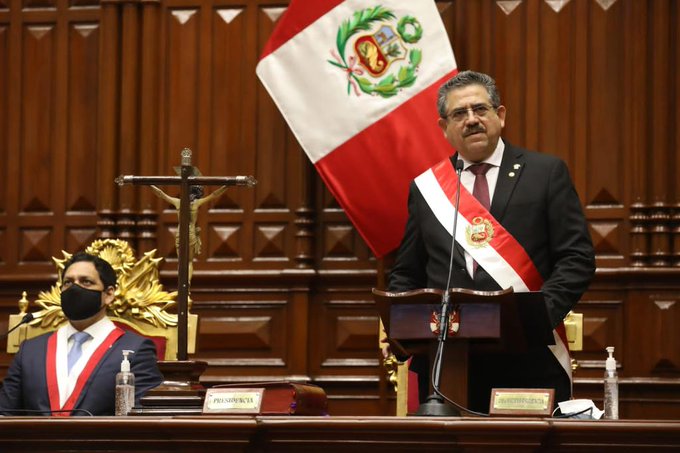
x: 357, y: 82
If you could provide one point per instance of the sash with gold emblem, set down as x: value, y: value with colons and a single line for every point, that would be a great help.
x: 486, y: 240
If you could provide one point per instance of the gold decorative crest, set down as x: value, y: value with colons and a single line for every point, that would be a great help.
x: 479, y: 232
x: 139, y: 294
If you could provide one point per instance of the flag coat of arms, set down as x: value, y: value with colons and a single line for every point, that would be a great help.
x: 357, y: 83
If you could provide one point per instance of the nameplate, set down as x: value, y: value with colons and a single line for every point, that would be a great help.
x: 522, y: 402
x: 233, y: 401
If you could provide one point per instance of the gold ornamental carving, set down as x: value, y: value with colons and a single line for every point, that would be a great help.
x: 139, y: 294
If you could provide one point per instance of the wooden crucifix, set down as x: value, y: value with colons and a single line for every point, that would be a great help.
x: 186, y: 180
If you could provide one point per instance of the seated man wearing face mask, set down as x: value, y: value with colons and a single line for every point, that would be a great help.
x: 72, y: 371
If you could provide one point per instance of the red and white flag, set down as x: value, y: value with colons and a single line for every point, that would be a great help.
x: 357, y: 82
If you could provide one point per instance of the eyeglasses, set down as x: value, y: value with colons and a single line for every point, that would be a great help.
x: 478, y: 110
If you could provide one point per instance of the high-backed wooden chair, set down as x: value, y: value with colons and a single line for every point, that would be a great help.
x: 140, y: 303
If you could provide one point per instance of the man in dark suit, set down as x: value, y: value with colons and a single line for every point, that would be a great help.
x: 72, y: 370
x: 534, y: 208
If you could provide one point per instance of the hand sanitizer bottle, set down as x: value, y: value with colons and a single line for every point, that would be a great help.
x: 125, y: 386
x: 611, y: 387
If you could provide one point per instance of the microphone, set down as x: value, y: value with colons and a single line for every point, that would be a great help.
x: 434, y: 405
x: 28, y: 317
x: 459, y: 170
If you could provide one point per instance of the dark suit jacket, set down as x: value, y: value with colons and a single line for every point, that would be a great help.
x: 25, y: 386
x: 538, y: 205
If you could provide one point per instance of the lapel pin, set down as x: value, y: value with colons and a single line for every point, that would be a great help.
x: 511, y: 174
x: 516, y: 166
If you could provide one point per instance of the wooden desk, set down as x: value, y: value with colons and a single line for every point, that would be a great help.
x: 332, y: 434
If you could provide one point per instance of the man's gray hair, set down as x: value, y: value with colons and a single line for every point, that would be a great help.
x: 464, y: 79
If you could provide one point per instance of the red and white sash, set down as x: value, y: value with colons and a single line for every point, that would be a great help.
x: 491, y: 245
x: 51, y: 370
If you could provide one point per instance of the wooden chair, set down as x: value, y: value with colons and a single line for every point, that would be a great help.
x: 140, y: 302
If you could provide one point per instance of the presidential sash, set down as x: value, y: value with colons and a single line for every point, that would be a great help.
x: 486, y: 240
x: 51, y: 371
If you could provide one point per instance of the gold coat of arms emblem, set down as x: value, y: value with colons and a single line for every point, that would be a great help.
x: 377, y: 52
x: 479, y: 232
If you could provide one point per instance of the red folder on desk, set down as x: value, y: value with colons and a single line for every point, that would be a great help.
x: 288, y: 398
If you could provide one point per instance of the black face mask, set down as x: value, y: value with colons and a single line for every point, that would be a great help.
x: 79, y: 303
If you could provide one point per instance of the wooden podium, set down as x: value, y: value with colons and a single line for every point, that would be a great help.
x: 494, y: 321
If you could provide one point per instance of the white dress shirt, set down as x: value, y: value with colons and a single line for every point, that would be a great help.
x: 467, y: 179
x: 67, y: 382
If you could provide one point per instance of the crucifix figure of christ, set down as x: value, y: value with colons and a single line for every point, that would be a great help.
x: 187, y: 214
x: 196, y: 200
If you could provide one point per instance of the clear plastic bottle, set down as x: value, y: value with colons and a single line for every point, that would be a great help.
x: 611, y: 387
x: 125, y: 386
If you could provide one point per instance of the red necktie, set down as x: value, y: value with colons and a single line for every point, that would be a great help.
x: 481, y: 192
x: 481, y: 187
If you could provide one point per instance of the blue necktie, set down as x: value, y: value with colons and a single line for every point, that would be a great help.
x: 77, y: 350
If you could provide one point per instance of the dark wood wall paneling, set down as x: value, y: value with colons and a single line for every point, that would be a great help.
x: 97, y: 89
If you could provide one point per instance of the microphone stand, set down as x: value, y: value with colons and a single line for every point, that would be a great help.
x: 28, y: 317
x: 434, y: 405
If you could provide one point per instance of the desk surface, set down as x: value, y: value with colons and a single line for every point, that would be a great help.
x: 332, y: 434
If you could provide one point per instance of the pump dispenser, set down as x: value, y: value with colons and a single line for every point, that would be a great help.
x: 611, y: 387
x: 125, y: 386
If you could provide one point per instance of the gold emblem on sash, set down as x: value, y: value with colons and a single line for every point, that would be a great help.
x: 479, y: 233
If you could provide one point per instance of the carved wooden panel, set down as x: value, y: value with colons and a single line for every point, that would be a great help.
x: 284, y: 191
x: 80, y: 178
x: 231, y: 103
x: 243, y: 134
x: 343, y: 336
x: 90, y: 3
x: 225, y: 242
x: 48, y: 131
x: 4, y: 119
x: 34, y: 4
x: 35, y: 245
x: 603, y: 317
x: 38, y: 131
x: 275, y: 142
x: 561, y: 76
x: 3, y: 248
x: 270, y: 242
x: 237, y: 338
x: 79, y: 238
x: 652, y: 329
x: 180, y: 103
x: 607, y: 236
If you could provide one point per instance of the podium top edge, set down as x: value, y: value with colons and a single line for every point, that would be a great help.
x: 435, y: 291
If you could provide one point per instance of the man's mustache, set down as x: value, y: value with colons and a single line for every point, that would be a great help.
x: 473, y: 130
